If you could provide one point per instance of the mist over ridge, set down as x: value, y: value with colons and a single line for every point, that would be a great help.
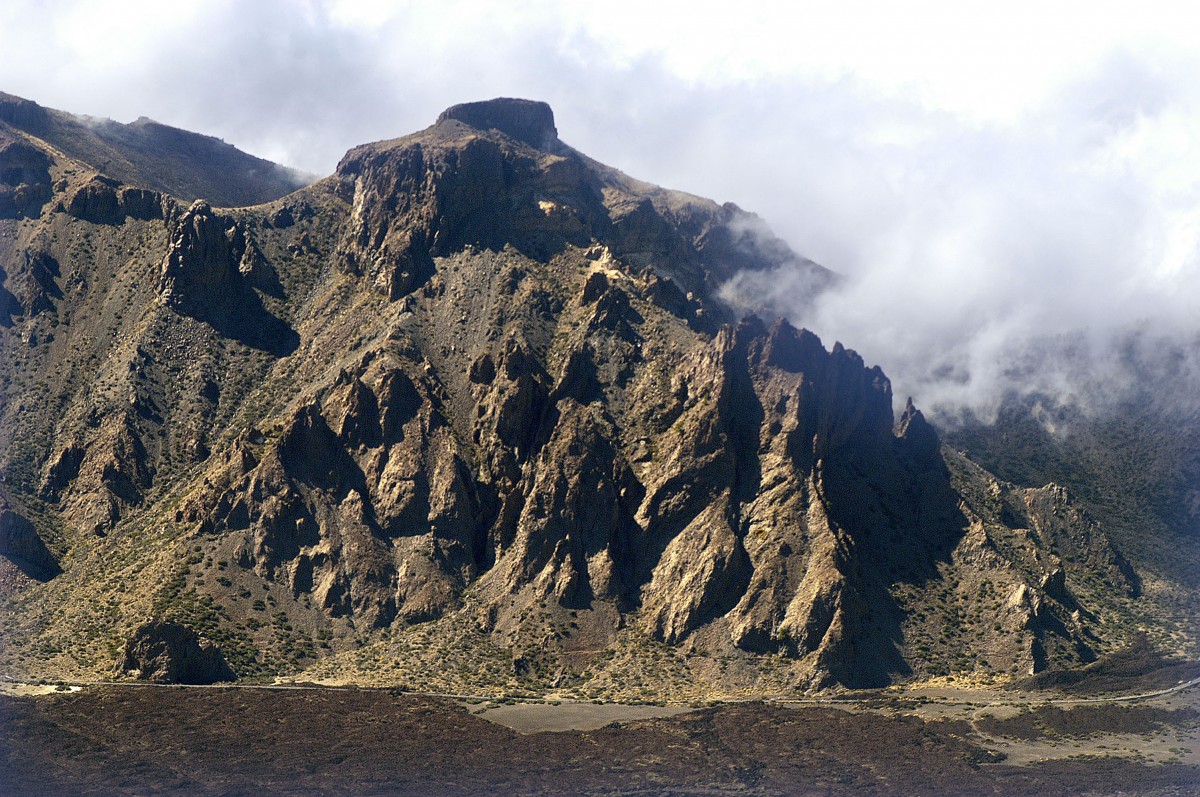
x: 1058, y: 257
x: 1007, y: 209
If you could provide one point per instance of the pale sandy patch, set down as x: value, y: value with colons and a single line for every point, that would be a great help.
x: 538, y: 717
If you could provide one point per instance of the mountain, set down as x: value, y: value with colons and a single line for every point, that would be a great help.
x: 145, y: 153
x: 470, y: 414
x: 1134, y: 463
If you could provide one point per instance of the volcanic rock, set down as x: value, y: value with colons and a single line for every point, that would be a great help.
x: 153, y: 156
x: 476, y: 381
x: 202, y: 264
x: 172, y: 653
x: 24, y: 177
x: 525, y: 120
x: 21, y: 112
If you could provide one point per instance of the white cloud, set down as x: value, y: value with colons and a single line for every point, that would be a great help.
x: 990, y: 176
x: 1019, y: 257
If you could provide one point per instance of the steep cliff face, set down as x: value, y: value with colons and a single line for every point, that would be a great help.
x: 22, y: 547
x: 473, y: 396
x: 24, y: 178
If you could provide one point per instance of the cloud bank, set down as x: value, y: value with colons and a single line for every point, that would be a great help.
x: 1012, y: 193
x: 1058, y: 255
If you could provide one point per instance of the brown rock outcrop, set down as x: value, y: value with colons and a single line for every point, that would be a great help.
x: 22, y: 113
x: 172, y: 653
x: 100, y: 476
x: 525, y: 120
x: 751, y: 491
x: 202, y: 262
x: 24, y: 177
x: 96, y: 201
x: 34, y: 282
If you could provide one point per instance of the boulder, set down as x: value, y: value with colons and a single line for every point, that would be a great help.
x: 24, y: 178
x: 527, y: 121
x: 96, y: 201
x: 20, y: 544
x: 172, y: 653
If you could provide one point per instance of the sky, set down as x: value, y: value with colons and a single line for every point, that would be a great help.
x: 1011, y: 190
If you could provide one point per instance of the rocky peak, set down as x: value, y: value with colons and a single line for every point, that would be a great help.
x: 525, y: 120
x: 922, y: 440
x: 172, y: 653
x: 24, y: 176
x: 208, y: 257
x: 20, y: 112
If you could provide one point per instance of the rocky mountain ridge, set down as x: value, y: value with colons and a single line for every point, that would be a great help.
x: 146, y: 153
x: 470, y: 411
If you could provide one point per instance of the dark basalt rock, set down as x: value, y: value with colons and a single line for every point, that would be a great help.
x: 24, y: 178
x: 172, y: 653
x: 201, y: 265
x: 20, y: 544
x: 921, y: 439
x: 21, y: 112
x: 525, y: 120
x: 96, y: 202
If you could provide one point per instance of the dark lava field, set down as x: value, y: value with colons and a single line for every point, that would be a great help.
x: 250, y: 741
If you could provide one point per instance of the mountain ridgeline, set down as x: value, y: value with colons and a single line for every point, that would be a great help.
x: 469, y: 413
x: 177, y: 162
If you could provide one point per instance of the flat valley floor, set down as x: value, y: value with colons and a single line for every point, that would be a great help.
x: 142, y: 740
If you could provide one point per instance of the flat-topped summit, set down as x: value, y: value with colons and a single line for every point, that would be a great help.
x: 529, y: 121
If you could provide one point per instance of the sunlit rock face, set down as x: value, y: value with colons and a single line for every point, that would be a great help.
x: 476, y: 380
